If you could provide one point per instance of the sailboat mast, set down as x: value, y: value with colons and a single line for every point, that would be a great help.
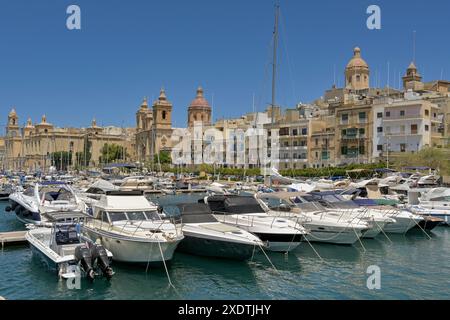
x: 274, y: 75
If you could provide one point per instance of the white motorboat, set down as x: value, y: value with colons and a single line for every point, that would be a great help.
x: 138, y: 183
x: 32, y: 205
x: 204, y: 235
x: 325, y: 226
x: 433, y: 202
x: 128, y: 225
x: 245, y: 212
x: 63, y: 250
x: 216, y: 188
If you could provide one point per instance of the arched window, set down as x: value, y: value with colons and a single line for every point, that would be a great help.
x: 164, y: 114
x: 358, y: 78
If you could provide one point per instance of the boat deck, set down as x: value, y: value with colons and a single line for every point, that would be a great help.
x: 12, y: 238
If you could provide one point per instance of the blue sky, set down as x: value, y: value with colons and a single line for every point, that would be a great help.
x: 129, y: 49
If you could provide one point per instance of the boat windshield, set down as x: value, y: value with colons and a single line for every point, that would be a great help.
x: 117, y: 216
x: 152, y: 215
x: 139, y: 215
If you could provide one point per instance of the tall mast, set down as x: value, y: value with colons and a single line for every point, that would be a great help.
x: 274, y: 75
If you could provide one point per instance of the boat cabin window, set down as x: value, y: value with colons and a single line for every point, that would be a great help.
x: 278, y: 204
x: 446, y: 199
x: 136, y: 215
x: 117, y: 216
x: 152, y: 215
x: 104, y: 216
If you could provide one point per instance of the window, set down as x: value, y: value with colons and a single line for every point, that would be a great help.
x: 388, y: 113
x: 402, y: 113
x: 361, y: 149
x: 344, y: 150
x: 317, y: 142
x: 414, y: 128
x: 402, y: 147
x: 402, y: 129
x: 358, y: 78
x: 344, y: 132
x: 362, y: 116
x: 286, y: 143
x: 388, y: 130
x: 380, y: 115
x: 379, y: 147
x: 104, y: 216
x: 164, y: 115
x: 427, y: 127
x: 284, y: 131
x: 136, y: 215
x: 304, y: 131
x: 294, y: 156
x: 427, y: 112
x: 344, y: 117
x: 295, y: 132
x: 362, y: 131
x: 152, y: 215
x: 317, y: 155
x: 295, y: 143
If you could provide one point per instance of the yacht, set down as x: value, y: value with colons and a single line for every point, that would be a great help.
x: 204, y: 235
x: 433, y: 202
x: 244, y: 212
x: 137, y: 183
x: 65, y: 251
x: 32, y: 205
x: 324, y: 226
x: 128, y: 225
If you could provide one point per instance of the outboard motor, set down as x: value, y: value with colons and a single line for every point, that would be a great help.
x: 100, y: 257
x: 83, y: 255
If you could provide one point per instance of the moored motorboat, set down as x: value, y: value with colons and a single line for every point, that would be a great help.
x: 65, y: 251
x: 204, y: 235
x: 32, y: 205
x: 245, y: 212
x: 130, y: 227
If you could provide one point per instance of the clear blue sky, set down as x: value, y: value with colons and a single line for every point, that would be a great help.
x: 129, y: 49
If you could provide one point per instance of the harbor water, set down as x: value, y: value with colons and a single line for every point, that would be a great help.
x: 412, y: 267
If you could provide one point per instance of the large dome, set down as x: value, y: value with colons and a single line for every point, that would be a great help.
x: 357, y: 61
x: 199, y: 101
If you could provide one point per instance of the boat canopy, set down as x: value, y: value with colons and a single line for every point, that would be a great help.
x: 234, y: 204
x: 196, y: 213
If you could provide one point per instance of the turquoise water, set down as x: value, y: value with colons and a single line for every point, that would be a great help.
x: 412, y: 267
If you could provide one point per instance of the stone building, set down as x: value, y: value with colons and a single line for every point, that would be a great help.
x: 33, y: 146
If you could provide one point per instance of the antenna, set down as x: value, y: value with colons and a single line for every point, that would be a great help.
x: 442, y: 74
x: 334, y: 75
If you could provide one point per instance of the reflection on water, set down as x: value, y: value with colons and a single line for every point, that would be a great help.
x: 412, y: 266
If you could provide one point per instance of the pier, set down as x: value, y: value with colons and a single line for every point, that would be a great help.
x: 12, y: 238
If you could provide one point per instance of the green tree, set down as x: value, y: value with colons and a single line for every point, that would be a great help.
x: 111, y: 153
x: 164, y: 157
x: 84, y: 158
x: 61, y: 160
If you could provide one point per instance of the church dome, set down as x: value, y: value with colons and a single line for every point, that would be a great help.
x: 357, y: 61
x: 199, y: 101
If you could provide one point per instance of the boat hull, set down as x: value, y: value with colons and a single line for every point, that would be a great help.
x: 216, y: 248
x: 280, y: 242
x: 134, y: 251
x: 345, y: 237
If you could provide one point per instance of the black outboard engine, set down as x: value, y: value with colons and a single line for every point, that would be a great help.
x: 101, y: 259
x: 83, y: 255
